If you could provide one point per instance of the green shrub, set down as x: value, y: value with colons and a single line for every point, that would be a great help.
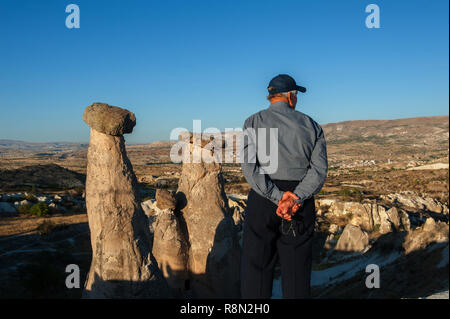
x: 353, y: 193
x: 39, y: 209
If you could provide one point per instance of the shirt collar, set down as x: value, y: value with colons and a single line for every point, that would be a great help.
x: 280, y: 106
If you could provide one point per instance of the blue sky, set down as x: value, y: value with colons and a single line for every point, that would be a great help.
x: 171, y: 62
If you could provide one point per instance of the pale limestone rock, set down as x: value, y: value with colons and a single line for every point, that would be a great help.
x: 430, y: 166
x: 25, y: 202
x: 352, y: 239
x: 404, y: 218
x: 394, y: 217
x: 414, y: 200
x: 122, y: 265
x: 430, y: 232
x: 325, y: 202
x: 148, y: 207
x: 214, y: 256
x: 381, y: 218
x: 171, y: 248
x: 368, y: 216
x: 334, y: 229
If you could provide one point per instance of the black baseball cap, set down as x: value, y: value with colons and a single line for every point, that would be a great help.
x: 284, y: 83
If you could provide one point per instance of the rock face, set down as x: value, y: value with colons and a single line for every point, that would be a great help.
x: 165, y: 199
x: 214, y: 255
x: 352, y: 239
x: 394, y: 217
x: 368, y: 216
x: 414, y: 200
x: 149, y: 207
x: 122, y: 265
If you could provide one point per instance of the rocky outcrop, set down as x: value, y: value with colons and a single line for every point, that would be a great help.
x: 368, y: 216
x: 414, y: 200
x: 122, y: 265
x: 430, y: 232
x: 429, y: 166
x: 214, y: 254
x: 352, y: 239
x: 394, y: 217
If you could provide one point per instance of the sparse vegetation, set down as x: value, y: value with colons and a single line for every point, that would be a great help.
x: 352, y: 194
x: 349, y: 165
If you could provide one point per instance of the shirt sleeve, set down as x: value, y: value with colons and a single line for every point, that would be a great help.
x: 255, y: 175
x: 316, y: 175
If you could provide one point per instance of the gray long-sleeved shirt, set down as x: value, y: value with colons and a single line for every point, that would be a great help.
x: 299, y: 152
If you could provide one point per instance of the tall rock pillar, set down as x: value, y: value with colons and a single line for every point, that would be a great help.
x: 214, y: 253
x: 122, y: 264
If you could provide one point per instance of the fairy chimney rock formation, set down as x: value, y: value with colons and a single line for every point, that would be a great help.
x: 171, y: 247
x: 214, y: 254
x: 122, y: 264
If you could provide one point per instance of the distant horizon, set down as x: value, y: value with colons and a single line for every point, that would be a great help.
x: 168, y: 139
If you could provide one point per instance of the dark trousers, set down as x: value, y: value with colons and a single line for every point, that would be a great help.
x: 264, y: 242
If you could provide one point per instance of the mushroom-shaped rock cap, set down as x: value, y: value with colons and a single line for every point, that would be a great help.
x: 111, y: 120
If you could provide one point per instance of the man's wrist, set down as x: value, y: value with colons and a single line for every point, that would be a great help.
x: 277, y: 195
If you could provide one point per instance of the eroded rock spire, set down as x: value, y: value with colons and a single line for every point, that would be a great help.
x: 122, y: 264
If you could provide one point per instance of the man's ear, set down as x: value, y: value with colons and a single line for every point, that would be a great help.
x: 292, y: 98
